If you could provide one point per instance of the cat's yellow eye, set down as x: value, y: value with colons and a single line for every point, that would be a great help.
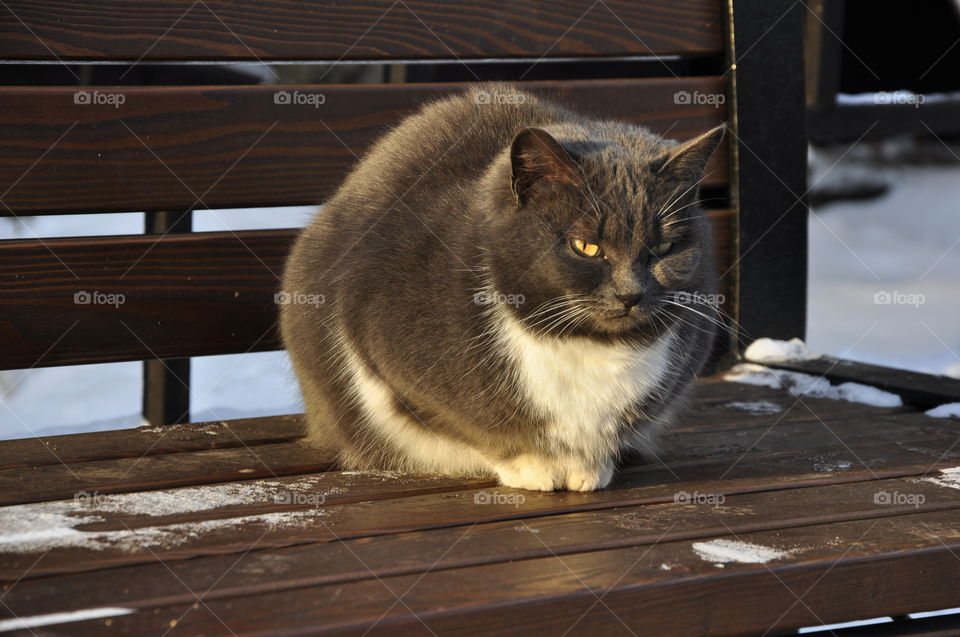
x: 662, y: 248
x: 585, y: 248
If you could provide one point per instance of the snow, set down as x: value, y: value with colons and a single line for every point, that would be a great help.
x: 51, y: 619
x: 832, y: 627
x: 906, y: 242
x: 46, y: 525
x: 815, y: 386
x: 949, y: 410
x: 724, y: 551
x: 756, y: 406
x: 765, y: 350
x: 949, y: 478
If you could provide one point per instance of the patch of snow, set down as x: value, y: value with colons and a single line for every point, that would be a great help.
x: 756, y: 406
x: 815, y: 386
x: 949, y: 478
x: 724, y: 551
x: 51, y: 619
x: 935, y: 613
x: 949, y: 410
x: 46, y: 525
x: 764, y: 350
x: 832, y: 627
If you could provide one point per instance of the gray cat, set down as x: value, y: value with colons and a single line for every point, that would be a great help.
x: 509, y: 289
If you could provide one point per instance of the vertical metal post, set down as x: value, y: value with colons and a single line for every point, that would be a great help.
x: 166, y: 383
x: 770, y: 159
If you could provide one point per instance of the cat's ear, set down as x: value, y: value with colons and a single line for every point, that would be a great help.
x: 689, y: 159
x: 537, y: 158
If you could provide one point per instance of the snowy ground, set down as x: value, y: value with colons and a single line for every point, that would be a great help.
x: 885, y: 274
x: 902, y: 247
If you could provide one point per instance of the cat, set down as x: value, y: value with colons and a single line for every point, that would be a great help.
x: 493, y: 291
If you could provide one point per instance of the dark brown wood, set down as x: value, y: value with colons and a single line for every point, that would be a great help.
x: 812, y: 447
x: 134, y: 443
x: 179, y: 148
x: 53, y: 482
x: 921, y: 390
x: 362, y: 29
x: 661, y: 588
x: 184, y: 295
x: 339, y: 555
x: 146, y: 297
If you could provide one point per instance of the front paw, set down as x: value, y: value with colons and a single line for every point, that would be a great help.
x: 529, y: 472
x: 589, y: 479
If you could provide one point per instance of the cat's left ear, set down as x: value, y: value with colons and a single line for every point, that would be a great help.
x: 689, y: 159
x: 536, y: 159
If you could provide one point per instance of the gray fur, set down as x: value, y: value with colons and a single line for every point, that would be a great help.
x: 451, y: 202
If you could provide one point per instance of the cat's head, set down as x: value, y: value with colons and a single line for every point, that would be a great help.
x: 598, y: 233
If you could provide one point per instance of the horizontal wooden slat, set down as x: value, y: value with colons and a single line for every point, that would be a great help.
x: 165, y: 148
x: 361, y: 29
x: 182, y: 295
x: 203, y: 293
x: 842, y: 571
x: 143, y: 441
x: 814, y: 447
x: 344, y: 558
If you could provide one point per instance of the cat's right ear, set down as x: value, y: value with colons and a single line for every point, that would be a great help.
x: 536, y: 158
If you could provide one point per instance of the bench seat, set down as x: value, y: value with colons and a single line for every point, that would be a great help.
x: 768, y: 512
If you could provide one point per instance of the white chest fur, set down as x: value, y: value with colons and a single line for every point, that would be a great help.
x: 582, y: 387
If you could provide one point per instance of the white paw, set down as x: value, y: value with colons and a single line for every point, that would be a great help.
x: 529, y: 472
x: 588, y: 479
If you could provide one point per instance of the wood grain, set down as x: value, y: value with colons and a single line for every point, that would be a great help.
x: 182, y: 295
x: 176, y: 148
x: 355, y: 30
x: 343, y: 557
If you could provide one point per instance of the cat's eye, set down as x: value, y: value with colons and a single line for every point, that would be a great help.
x: 662, y: 248
x: 585, y: 248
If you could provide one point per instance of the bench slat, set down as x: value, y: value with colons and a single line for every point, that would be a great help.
x: 164, y: 148
x: 183, y: 295
x: 665, y: 587
x: 812, y: 447
x: 354, y: 559
x: 142, y: 441
x: 357, y: 30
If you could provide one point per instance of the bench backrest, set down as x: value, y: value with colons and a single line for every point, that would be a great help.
x: 74, y: 149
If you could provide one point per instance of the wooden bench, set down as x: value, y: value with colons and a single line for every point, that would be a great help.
x: 804, y: 512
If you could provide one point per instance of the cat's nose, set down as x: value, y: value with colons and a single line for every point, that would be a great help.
x: 629, y: 300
